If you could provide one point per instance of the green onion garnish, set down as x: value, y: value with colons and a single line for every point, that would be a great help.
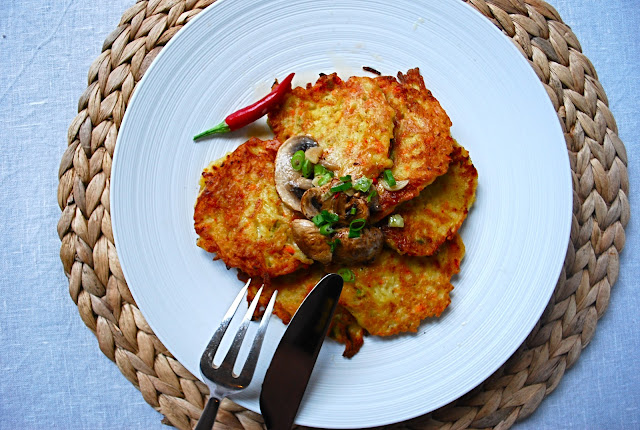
x: 353, y: 210
x: 388, y: 177
x: 318, y: 220
x: 324, y: 179
x: 333, y: 244
x: 357, y: 224
x: 329, y: 217
x: 326, y: 229
x: 297, y: 160
x: 325, y: 217
x: 346, y: 178
x: 355, y: 227
x: 343, y: 186
x: 307, y: 168
x: 396, y: 221
x: 372, y: 193
x: 320, y: 170
x: 363, y: 184
x: 347, y: 275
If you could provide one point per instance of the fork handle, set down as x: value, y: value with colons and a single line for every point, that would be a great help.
x: 208, y: 417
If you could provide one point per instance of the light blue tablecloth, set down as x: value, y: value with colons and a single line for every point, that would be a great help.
x: 52, y: 372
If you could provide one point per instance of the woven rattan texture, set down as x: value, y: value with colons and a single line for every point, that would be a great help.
x: 600, y: 214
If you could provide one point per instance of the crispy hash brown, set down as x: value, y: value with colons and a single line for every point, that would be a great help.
x: 422, y: 140
x: 395, y: 293
x: 292, y: 289
x: 351, y: 121
x: 239, y: 216
x: 364, y: 126
x: 438, y: 212
x: 389, y: 296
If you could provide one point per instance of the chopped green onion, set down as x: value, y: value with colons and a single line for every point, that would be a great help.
x: 353, y: 234
x: 346, y: 178
x: 343, y: 186
x: 388, y: 177
x: 363, y: 184
x: 307, y: 168
x: 330, y: 217
x: 325, y: 217
x: 297, y: 160
x: 323, y: 179
x: 347, y: 275
x: 357, y: 224
x: 355, y: 227
x: 320, y: 170
x: 326, y: 229
x: 353, y: 210
x: 318, y: 220
x: 372, y: 193
x: 333, y: 244
x: 396, y: 221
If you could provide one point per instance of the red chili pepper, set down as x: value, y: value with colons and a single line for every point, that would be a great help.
x: 252, y: 112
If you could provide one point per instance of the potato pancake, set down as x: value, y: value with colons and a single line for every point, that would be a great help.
x: 292, y: 290
x: 438, y: 212
x: 364, y: 126
x: 389, y: 296
x: 351, y: 121
x: 240, y: 217
x: 422, y: 139
x: 396, y: 292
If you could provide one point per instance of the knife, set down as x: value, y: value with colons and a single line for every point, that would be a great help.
x: 288, y: 374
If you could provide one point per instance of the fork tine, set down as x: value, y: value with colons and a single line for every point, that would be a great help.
x: 232, y: 354
x: 212, y: 346
x: 254, y: 353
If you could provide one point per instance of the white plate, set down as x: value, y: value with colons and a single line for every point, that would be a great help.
x: 516, y: 234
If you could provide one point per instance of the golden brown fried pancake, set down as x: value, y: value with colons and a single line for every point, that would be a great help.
x: 422, y: 140
x: 438, y: 212
x: 364, y: 125
x: 240, y: 217
x: 292, y: 289
x: 351, y: 120
x: 389, y: 296
x: 396, y: 292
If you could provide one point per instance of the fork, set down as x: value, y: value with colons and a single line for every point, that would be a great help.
x: 221, y: 379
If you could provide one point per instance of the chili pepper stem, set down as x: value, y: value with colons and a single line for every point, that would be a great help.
x: 223, y: 127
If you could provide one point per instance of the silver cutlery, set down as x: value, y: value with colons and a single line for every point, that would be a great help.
x: 221, y: 378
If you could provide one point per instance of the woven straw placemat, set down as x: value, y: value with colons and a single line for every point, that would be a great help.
x: 600, y: 213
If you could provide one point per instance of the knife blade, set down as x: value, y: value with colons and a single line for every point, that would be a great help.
x: 288, y: 374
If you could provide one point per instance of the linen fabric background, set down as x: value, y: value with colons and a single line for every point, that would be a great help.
x: 53, y: 373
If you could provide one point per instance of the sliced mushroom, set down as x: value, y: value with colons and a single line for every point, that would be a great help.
x: 310, y: 241
x: 358, y: 249
x: 302, y: 183
x: 290, y: 183
x: 344, y: 204
x: 314, y: 199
